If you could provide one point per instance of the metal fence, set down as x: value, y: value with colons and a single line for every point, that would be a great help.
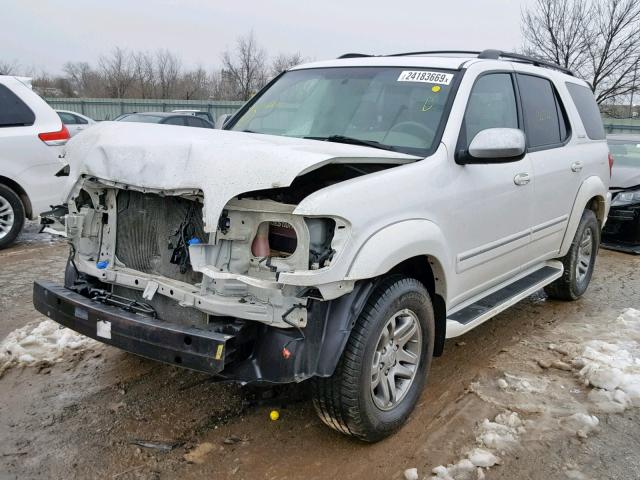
x: 109, y: 108
x: 622, y: 125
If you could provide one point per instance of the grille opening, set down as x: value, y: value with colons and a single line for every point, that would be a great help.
x: 152, y: 232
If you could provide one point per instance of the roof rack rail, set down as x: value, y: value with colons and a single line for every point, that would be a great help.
x: 498, y: 54
x: 488, y: 54
x: 436, y: 52
x: 354, y: 55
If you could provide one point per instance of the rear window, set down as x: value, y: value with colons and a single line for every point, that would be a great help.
x: 588, y: 110
x: 13, y: 111
x: 544, y: 120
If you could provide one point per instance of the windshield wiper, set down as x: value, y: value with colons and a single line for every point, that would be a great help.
x: 353, y: 141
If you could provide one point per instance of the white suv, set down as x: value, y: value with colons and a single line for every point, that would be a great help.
x: 31, y: 139
x: 350, y: 218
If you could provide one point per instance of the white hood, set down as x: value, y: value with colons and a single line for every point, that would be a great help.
x: 222, y: 164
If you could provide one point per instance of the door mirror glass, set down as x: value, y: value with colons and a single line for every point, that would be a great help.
x: 494, y: 145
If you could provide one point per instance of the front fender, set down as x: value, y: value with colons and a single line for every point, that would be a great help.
x: 592, y: 187
x: 399, y: 242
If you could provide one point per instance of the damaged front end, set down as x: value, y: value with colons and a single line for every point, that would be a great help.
x: 622, y: 230
x: 210, y: 250
x: 148, y: 252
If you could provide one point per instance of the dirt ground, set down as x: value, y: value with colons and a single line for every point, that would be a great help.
x: 102, y: 413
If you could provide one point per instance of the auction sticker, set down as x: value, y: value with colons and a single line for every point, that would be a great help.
x: 425, y: 77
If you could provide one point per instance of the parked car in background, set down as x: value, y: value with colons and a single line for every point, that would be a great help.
x: 165, y: 118
x: 622, y: 231
x: 350, y: 218
x: 197, y: 113
x: 31, y: 137
x: 75, y: 122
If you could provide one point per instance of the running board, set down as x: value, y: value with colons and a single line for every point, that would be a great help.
x: 495, y: 302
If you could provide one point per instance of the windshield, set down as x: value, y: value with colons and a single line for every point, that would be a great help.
x: 399, y: 108
x: 625, y: 153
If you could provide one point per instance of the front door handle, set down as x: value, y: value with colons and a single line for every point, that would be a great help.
x: 576, y: 166
x: 522, y: 179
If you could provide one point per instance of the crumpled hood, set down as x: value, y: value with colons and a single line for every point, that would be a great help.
x: 222, y: 164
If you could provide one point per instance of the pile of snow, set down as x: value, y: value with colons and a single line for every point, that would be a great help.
x: 503, y: 433
x: 44, y: 342
x: 612, y: 367
x: 500, y: 435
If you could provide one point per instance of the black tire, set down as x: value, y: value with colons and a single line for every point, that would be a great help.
x: 569, y: 286
x: 345, y: 401
x: 9, y: 196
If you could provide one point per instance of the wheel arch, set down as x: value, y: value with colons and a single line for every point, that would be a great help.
x: 419, y: 251
x: 591, y: 196
x: 13, y: 185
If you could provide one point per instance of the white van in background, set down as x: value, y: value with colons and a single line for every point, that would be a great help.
x: 31, y: 139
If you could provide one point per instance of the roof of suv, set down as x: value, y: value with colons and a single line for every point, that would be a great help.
x: 453, y: 60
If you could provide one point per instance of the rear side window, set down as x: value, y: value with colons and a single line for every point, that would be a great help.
x: 588, y: 110
x: 13, y: 111
x: 174, y: 121
x: 545, y: 122
x: 80, y: 120
x: 195, y: 122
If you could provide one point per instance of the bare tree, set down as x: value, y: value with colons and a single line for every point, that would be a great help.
x: 168, y: 67
x: 599, y: 39
x: 83, y: 79
x: 246, y: 66
x: 144, y: 74
x: 8, y: 68
x: 614, y: 51
x: 194, y: 85
x: 117, y: 71
x: 284, y: 62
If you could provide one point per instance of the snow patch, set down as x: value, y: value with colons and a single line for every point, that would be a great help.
x: 612, y: 367
x: 500, y: 435
x: 46, y: 341
x: 503, y: 433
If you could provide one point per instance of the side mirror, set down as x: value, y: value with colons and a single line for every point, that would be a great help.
x: 496, y: 145
x: 222, y: 119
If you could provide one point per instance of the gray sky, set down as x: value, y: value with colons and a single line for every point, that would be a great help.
x: 46, y: 34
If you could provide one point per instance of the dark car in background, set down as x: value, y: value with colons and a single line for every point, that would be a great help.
x: 622, y: 230
x: 165, y: 118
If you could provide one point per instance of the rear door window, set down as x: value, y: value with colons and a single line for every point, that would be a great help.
x: 80, y: 120
x: 67, y: 118
x: 13, y: 111
x: 588, y: 110
x: 545, y: 121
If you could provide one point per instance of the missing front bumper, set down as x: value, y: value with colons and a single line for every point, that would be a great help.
x: 189, y: 347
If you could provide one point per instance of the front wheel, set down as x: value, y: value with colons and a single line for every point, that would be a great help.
x: 383, y: 368
x: 579, y: 261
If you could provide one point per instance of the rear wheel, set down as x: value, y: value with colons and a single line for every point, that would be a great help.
x: 579, y: 261
x: 11, y: 216
x: 383, y: 368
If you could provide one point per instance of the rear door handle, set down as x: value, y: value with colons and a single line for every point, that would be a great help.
x: 576, y: 166
x: 522, y: 179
